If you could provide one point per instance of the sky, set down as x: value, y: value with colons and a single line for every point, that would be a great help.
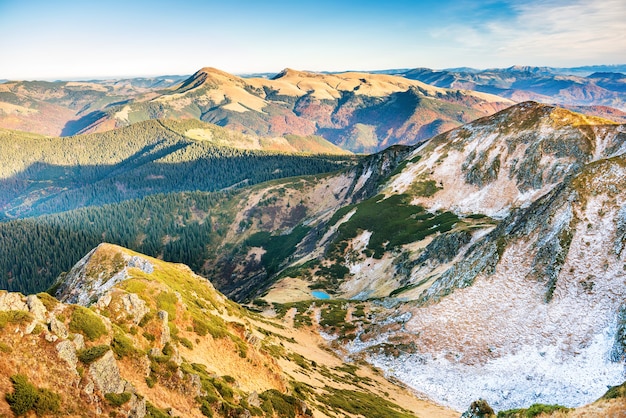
x: 71, y: 39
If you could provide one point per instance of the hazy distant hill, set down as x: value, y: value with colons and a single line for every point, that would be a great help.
x: 55, y: 108
x: 543, y: 84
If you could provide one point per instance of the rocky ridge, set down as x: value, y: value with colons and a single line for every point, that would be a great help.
x: 152, y: 339
x: 514, y: 254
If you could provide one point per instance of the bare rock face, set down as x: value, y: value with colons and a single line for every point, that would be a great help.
x: 106, y: 374
x: 67, y: 351
x: 165, y: 329
x: 97, y: 272
x: 12, y: 302
x: 36, y: 307
x: 122, y: 305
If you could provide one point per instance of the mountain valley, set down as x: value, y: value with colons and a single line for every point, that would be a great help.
x: 475, y: 252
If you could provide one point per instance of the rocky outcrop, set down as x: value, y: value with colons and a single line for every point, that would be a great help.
x: 36, y: 307
x: 12, y: 302
x: 165, y: 329
x: 105, y: 374
x: 67, y: 352
x: 123, y: 306
x: 479, y: 409
x: 58, y: 328
x: 97, y: 272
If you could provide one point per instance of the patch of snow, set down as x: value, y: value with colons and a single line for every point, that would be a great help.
x: 363, y: 179
x: 531, y: 375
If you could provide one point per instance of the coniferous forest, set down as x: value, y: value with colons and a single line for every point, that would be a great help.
x: 146, y: 187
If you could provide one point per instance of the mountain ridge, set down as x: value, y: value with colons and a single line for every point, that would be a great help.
x: 163, y: 342
x: 346, y: 108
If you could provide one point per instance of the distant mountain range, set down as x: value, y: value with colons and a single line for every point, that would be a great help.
x: 360, y: 112
x: 357, y: 111
x: 547, y: 85
x: 54, y: 108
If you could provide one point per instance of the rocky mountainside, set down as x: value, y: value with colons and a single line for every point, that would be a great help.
x: 133, y: 336
x: 359, y: 112
x: 489, y: 259
x: 464, y: 182
x: 485, y: 263
x: 546, y: 85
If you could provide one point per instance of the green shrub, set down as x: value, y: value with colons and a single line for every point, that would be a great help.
x: 47, y: 402
x: 89, y: 355
x: 616, y: 392
x: 87, y: 322
x: 154, y: 412
x: 206, y: 407
x: 5, y: 348
x: 117, y: 399
x: 166, y: 301
x: 538, y: 409
x: 14, y: 317
x: 216, y: 327
x: 186, y: 343
x: 27, y: 397
x: 24, y: 395
x: 48, y: 301
x: 532, y: 411
x: 363, y: 404
x: 121, y: 345
x: 282, y: 405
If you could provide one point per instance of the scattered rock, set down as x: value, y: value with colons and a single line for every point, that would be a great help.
x: 50, y: 337
x: 36, y: 307
x: 58, y: 328
x: 106, y: 374
x: 79, y: 341
x: 135, y: 307
x: 479, y: 409
x: 67, y: 351
x: 12, y: 302
x: 196, y: 386
x: 137, y: 407
x: 254, y: 400
x: 165, y: 329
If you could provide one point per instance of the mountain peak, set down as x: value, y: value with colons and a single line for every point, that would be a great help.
x: 98, y: 271
x: 203, y: 76
x: 213, y: 71
x: 528, y: 69
x: 288, y: 72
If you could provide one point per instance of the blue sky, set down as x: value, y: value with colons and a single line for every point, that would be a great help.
x: 49, y: 39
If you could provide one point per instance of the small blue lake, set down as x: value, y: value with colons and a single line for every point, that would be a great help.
x: 320, y: 295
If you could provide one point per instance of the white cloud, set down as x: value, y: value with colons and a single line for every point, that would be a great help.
x: 548, y: 32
